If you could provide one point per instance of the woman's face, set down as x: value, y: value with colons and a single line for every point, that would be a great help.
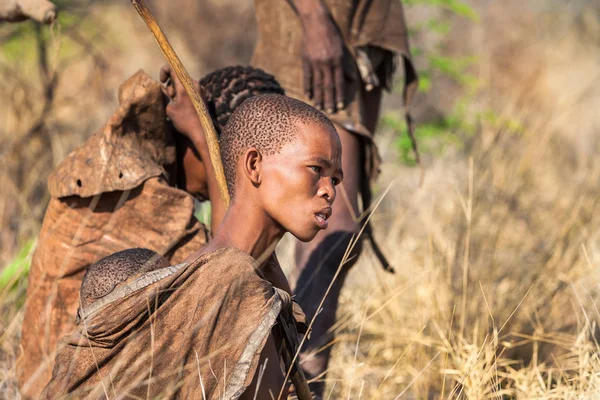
x: 298, y: 184
x: 192, y: 173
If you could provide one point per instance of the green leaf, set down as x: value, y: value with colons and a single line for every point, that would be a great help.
x: 462, y: 9
x: 456, y: 6
x: 18, y: 268
x: 203, y: 212
x: 438, y: 26
x: 455, y: 67
x: 425, y: 81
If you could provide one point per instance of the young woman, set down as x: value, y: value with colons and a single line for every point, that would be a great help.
x: 207, y: 328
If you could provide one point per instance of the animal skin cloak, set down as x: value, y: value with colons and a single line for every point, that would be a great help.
x: 368, y: 27
x: 108, y: 195
x: 193, y: 330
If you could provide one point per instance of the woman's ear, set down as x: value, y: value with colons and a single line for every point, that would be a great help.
x: 253, y: 165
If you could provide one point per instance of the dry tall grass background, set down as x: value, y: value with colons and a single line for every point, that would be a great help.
x: 497, y: 254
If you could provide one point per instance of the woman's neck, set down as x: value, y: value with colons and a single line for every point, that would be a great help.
x: 248, y: 229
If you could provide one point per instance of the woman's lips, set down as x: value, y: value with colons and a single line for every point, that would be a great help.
x: 321, y: 221
x: 322, y: 216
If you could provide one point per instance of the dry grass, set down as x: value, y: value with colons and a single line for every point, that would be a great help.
x: 497, y: 254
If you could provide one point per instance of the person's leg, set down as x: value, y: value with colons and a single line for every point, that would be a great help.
x: 318, y: 261
x: 371, y: 107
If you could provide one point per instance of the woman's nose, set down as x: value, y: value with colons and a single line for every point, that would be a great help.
x: 327, y: 190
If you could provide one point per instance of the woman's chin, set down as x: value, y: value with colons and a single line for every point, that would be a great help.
x: 305, y: 236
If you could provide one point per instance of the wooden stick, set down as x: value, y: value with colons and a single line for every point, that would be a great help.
x: 184, y: 77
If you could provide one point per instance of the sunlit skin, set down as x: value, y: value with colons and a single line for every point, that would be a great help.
x: 310, y: 169
x: 291, y: 191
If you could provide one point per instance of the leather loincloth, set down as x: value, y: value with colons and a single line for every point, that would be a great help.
x: 373, y: 32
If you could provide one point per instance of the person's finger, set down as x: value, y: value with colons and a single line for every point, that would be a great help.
x: 328, y: 87
x: 179, y: 89
x: 169, y: 111
x: 307, y: 73
x: 317, y: 86
x: 164, y: 90
x: 171, y: 91
x: 165, y: 73
x: 338, y: 78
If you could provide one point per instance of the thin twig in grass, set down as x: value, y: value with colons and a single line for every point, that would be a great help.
x: 213, y: 373
x: 318, y: 350
x: 418, y: 375
x: 261, y: 372
x: 98, y: 369
x: 495, y: 334
x: 530, y: 338
x: 587, y: 319
x: 487, y: 305
x: 331, y: 391
x: 12, y: 327
x: 465, y: 265
x: 589, y: 263
x: 446, y: 355
x: 362, y: 386
x: 318, y: 377
x: 349, y: 249
x: 342, y: 190
x: 591, y: 299
x: 341, y: 323
x: 200, y: 376
x: 152, y: 320
x: 586, y: 256
x: 515, y: 310
x: 356, y: 352
x: 387, y: 375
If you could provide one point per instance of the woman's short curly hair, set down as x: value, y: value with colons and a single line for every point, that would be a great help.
x: 225, y: 89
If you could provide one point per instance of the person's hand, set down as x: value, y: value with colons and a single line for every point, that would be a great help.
x: 180, y: 109
x: 323, y: 50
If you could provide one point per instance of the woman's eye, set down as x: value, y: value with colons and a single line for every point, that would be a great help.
x: 315, y: 168
x: 335, y: 181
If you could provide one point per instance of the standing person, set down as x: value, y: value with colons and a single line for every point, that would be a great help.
x: 132, y: 184
x: 340, y: 55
